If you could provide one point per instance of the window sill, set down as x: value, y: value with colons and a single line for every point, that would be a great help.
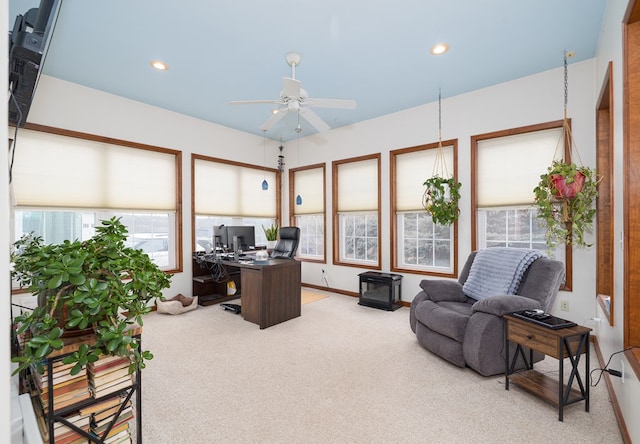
x: 633, y: 356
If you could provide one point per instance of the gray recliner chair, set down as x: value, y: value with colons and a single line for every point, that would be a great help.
x: 470, y: 332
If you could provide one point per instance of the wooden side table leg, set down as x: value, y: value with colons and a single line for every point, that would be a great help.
x: 560, y: 380
x: 506, y: 356
x: 586, y: 373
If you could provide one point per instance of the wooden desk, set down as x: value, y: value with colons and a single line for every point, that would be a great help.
x: 269, y: 293
x: 563, y: 343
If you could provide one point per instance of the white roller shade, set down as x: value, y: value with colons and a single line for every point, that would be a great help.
x: 309, y: 184
x: 358, y: 186
x: 230, y: 190
x: 509, y: 167
x: 59, y: 171
x: 412, y: 169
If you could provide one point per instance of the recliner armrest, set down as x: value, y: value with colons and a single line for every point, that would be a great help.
x: 503, y: 304
x: 438, y: 290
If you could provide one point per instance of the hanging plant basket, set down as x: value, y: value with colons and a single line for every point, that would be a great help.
x: 440, y: 199
x: 565, y: 199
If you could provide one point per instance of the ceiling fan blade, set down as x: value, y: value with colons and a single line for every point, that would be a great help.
x: 314, y: 119
x: 275, y: 118
x: 291, y: 87
x: 332, y: 103
x: 252, y: 102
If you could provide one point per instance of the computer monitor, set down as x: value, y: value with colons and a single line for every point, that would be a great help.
x: 245, y: 236
x: 220, y: 239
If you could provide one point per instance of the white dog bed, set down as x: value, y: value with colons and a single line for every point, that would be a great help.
x: 176, y: 307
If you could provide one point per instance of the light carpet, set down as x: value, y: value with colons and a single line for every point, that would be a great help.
x: 339, y: 373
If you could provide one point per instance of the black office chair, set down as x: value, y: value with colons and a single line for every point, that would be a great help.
x: 287, y: 245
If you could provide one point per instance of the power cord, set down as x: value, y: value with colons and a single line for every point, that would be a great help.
x: 612, y: 372
x: 212, y: 263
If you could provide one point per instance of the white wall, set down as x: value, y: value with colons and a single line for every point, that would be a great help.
x: 611, y: 338
x: 526, y: 101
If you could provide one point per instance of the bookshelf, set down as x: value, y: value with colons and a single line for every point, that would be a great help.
x: 96, y: 405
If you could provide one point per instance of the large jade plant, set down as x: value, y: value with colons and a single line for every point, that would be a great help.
x: 565, y: 199
x: 99, y: 284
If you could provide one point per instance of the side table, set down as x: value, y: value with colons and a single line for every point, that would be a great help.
x: 562, y: 343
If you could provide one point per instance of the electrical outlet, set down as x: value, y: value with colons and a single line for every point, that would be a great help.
x: 622, y: 370
x: 564, y: 305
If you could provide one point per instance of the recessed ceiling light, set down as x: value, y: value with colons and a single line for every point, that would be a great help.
x: 161, y: 66
x: 438, y: 49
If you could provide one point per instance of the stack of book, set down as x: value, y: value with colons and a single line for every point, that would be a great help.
x: 67, y: 389
x: 105, y: 417
x: 108, y: 375
x: 66, y: 435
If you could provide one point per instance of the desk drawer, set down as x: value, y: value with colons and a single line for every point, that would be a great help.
x: 534, y: 338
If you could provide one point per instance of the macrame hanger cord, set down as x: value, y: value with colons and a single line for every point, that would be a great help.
x: 440, y: 164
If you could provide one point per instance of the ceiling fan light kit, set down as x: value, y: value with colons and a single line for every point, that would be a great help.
x: 295, y: 99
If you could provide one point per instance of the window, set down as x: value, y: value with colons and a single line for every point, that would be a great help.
x: 356, y: 203
x: 66, y: 182
x: 308, y: 183
x: 605, y: 242
x: 417, y: 243
x: 506, y: 167
x: 631, y: 189
x: 230, y: 193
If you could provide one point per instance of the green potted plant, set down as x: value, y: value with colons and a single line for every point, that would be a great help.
x: 440, y: 199
x: 565, y: 199
x: 98, y: 284
x: 272, y: 235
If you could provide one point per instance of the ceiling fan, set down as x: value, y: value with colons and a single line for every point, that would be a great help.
x: 295, y: 99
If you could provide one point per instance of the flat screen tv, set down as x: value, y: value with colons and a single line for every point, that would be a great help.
x: 28, y: 43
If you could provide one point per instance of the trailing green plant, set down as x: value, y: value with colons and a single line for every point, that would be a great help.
x: 565, y: 199
x: 440, y: 199
x: 271, y: 233
x: 99, y: 284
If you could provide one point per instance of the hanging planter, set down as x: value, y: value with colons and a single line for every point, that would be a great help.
x: 565, y: 199
x: 442, y: 193
x: 566, y: 194
x: 440, y: 199
x: 567, y: 187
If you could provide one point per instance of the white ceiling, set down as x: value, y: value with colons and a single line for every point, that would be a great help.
x: 375, y: 52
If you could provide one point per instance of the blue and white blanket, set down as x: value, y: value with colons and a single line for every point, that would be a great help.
x: 498, y: 270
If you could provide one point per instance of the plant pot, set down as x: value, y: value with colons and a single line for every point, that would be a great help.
x: 271, y: 245
x: 567, y: 190
x: 62, y: 313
